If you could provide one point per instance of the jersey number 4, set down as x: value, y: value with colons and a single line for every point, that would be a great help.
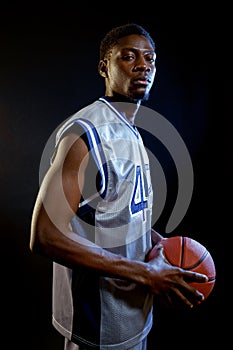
x: 139, y: 201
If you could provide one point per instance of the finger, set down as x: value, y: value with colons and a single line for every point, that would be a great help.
x: 195, y: 276
x: 182, y: 298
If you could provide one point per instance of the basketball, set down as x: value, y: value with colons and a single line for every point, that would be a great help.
x: 191, y: 255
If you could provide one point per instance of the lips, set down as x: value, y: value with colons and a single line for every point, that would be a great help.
x: 141, y: 81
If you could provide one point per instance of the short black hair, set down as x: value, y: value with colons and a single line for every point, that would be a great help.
x: 112, y: 37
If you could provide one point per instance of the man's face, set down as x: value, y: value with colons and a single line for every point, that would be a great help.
x: 130, y: 68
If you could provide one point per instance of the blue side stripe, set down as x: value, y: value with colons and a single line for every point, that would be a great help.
x: 97, y: 152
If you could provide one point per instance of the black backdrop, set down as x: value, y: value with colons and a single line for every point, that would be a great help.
x: 48, y: 70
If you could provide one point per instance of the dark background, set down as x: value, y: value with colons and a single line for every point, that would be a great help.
x: 48, y: 70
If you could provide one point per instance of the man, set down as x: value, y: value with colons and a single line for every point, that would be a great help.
x: 92, y: 216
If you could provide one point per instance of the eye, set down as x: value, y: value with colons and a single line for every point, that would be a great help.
x: 128, y: 57
x: 150, y: 58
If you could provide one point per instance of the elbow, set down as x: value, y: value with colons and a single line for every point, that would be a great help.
x: 33, y: 245
x: 37, y: 244
x: 40, y: 231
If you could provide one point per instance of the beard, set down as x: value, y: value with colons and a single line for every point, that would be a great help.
x: 131, y: 97
x: 141, y: 97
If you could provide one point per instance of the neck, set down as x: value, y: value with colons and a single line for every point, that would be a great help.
x: 125, y: 105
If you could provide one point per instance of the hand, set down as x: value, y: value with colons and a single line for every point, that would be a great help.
x: 172, y: 284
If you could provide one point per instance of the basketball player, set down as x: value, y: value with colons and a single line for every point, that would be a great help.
x: 92, y: 216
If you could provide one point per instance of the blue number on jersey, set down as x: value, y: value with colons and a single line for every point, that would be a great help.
x: 139, y: 201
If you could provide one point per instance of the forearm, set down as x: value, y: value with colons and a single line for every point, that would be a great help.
x: 69, y: 249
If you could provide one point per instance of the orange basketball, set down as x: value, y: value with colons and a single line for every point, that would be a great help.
x: 191, y: 255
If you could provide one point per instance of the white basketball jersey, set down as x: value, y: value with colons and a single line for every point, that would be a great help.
x: 115, y: 213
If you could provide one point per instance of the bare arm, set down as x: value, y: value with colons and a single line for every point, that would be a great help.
x: 51, y: 236
x: 56, y: 204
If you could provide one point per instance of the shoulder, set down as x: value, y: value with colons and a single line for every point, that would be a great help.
x: 88, y: 114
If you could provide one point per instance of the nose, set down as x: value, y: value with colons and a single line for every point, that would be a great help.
x: 142, y: 68
x: 142, y: 65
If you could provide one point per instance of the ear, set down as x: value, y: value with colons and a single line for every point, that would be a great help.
x: 102, y: 68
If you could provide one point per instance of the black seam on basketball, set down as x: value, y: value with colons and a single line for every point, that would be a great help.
x: 198, y: 262
x: 182, y: 250
x: 211, y: 279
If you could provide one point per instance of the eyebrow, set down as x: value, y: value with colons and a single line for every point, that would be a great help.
x: 138, y: 49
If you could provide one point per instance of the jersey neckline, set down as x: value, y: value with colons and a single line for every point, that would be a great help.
x: 119, y: 114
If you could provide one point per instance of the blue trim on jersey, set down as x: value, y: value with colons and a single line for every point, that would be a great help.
x: 97, y: 152
x: 120, y: 116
